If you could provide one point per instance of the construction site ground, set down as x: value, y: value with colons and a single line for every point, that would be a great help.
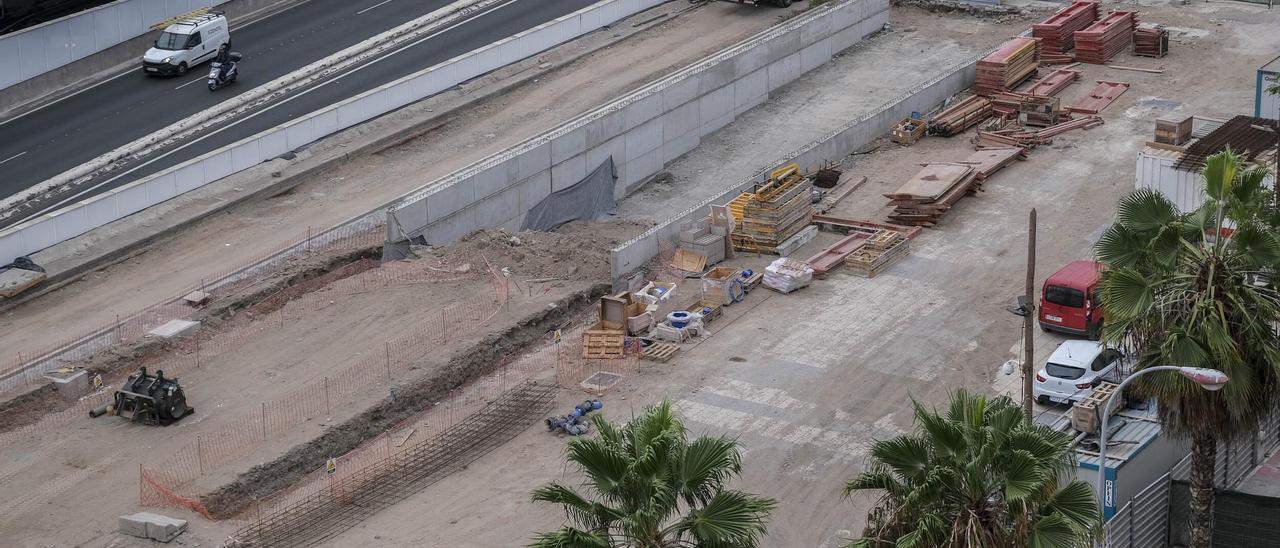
x: 806, y: 380
x: 253, y: 229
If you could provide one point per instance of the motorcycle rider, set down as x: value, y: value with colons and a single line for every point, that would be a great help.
x: 224, y: 60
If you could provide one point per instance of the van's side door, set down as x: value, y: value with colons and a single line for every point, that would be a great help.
x: 197, y: 47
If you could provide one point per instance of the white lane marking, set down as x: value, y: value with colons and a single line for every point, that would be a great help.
x: 373, y: 6
x: 14, y: 156
x: 200, y: 79
x: 336, y: 78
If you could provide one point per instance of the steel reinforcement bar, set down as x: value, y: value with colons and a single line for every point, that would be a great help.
x: 355, y: 498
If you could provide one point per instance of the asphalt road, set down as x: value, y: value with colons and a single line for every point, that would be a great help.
x: 58, y: 137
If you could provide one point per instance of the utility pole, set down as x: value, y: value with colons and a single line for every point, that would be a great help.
x: 1028, y: 321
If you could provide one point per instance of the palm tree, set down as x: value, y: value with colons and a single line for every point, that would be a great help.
x: 648, y: 486
x: 1183, y: 291
x: 979, y: 476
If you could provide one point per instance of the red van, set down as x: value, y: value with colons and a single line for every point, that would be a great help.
x: 1069, y: 300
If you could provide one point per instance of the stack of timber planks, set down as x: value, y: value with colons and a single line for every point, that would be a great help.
x: 1106, y: 38
x: 1056, y: 33
x: 775, y: 211
x: 923, y: 199
x: 961, y: 115
x: 1007, y: 66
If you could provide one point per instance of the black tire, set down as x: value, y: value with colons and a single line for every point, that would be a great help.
x: 182, y: 69
x: 1042, y: 400
x: 212, y: 86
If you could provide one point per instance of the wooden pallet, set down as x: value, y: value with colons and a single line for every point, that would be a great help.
x: 603, y: 344
x: 660, y: 352
x: 1085, y: 414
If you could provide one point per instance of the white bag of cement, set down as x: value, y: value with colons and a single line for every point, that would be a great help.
x: 787, y: 274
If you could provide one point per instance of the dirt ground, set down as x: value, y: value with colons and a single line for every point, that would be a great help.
x: 251, y: 230
x: 808, y: 380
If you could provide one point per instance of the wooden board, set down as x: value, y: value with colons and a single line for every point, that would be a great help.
x: 828, y: 259
x: 660, y: 352
x: 932, y: 181
x: 689, y: 261
x: 1099, y: 97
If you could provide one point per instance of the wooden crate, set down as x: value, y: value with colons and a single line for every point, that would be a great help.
x: 1173, y: 130
x: 603, y: 341
x: 907, y: 131
x: 1084, y: 414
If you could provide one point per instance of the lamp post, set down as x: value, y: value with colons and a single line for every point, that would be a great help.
x: 1208, y: 379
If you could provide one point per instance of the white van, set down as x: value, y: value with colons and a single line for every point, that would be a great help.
x: 187, y: 43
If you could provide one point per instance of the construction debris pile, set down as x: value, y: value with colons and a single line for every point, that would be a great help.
x: 1106, y: 38
x: 1008, y: 66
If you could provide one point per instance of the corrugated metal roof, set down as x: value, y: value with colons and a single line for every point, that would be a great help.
x: 1238, y: 134
x: 1161, y: 153
x: 1122, y: 444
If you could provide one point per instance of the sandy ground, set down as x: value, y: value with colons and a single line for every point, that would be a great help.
x: 808, y: 380
x: 251, y: 230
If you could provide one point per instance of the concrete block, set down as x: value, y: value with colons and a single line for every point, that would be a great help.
x: 681, y: 92
x: 615, y: 148
x: 15, y: 280
x: 815, y: 30
x: 71, y: 385
x: 568, y: 173
x: 175, y: 329
x: 716, y: 77
x: 784, y: 46
x: 606, y: 127
x: 748, y: 103
x: 679, y: 146
x: 496, y: 178
x: 643, y: 110
x: 815, y: 55
x: 642, y: 168
x: 715, y: 124
x: 784, y: 71
x: 447, y: 200
x: 534, y: 160
x: 751, y: 60
x: 643, y: 139
x: 450, y: 229
x: 716, y: 104
x: 152, y: 526
x: 568, y: 145
x: 497, y: 209
x: 749, y: 87
x: 680, y: 121
x: 534, y: 189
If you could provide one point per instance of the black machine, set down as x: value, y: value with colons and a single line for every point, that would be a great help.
x: 151, y: 399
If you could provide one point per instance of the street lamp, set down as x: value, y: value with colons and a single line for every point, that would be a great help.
x: 1208, y: 379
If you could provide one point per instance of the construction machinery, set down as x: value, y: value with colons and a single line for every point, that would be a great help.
x: 151, y: 399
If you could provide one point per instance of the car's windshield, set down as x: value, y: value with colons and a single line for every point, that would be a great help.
x: 1064, y: 296
x: 172, y: 41
x: 1063, y: 371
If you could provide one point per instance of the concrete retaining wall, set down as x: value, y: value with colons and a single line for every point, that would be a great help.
x: 74, y: 220
x: 642, y: 131
x: 34, y: 51
x: 836, y: 145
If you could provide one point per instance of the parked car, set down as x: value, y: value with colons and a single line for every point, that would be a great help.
x: 1075, y: 368
x: 1069, y: 300
x: 187, y: 43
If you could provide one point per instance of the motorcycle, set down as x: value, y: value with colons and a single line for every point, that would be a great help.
x: 219, y: 77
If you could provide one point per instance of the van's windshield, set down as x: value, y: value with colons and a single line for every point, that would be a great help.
x: 172, y: 41
x: 1064, y: 296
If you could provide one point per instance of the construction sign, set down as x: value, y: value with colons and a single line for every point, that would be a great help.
x: 331, y: 466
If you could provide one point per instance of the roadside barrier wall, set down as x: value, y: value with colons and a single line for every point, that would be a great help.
x: 36, y: 50
x: 641, y: 132
x: 832, y: 147
x: 71, y: 221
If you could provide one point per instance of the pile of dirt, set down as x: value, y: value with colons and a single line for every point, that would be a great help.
x: 576, y: 251
x: 482, y: 358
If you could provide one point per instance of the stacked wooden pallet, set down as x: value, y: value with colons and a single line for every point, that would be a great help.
x: 961, y: 115
x: 1056, y: 33
x: 932, y: 192
x: 603, y: 341
x: 1106, y: 38
x: 1150, y: 40
x: 775, y: 211
x: 882, y: 250
x: 1012, y: 63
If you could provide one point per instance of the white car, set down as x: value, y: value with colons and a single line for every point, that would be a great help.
x: 187, y: 43
x: 1075, y: 368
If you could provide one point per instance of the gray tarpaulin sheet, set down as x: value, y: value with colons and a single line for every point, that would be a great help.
x: 591, y: 199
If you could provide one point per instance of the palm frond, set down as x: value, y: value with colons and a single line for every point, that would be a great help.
x: 569, y: 537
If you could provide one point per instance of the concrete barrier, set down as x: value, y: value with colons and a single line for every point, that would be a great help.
x: 642, y: 131
x: 34, y: 51
x: 834, y: 146
x: 74, y: 220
